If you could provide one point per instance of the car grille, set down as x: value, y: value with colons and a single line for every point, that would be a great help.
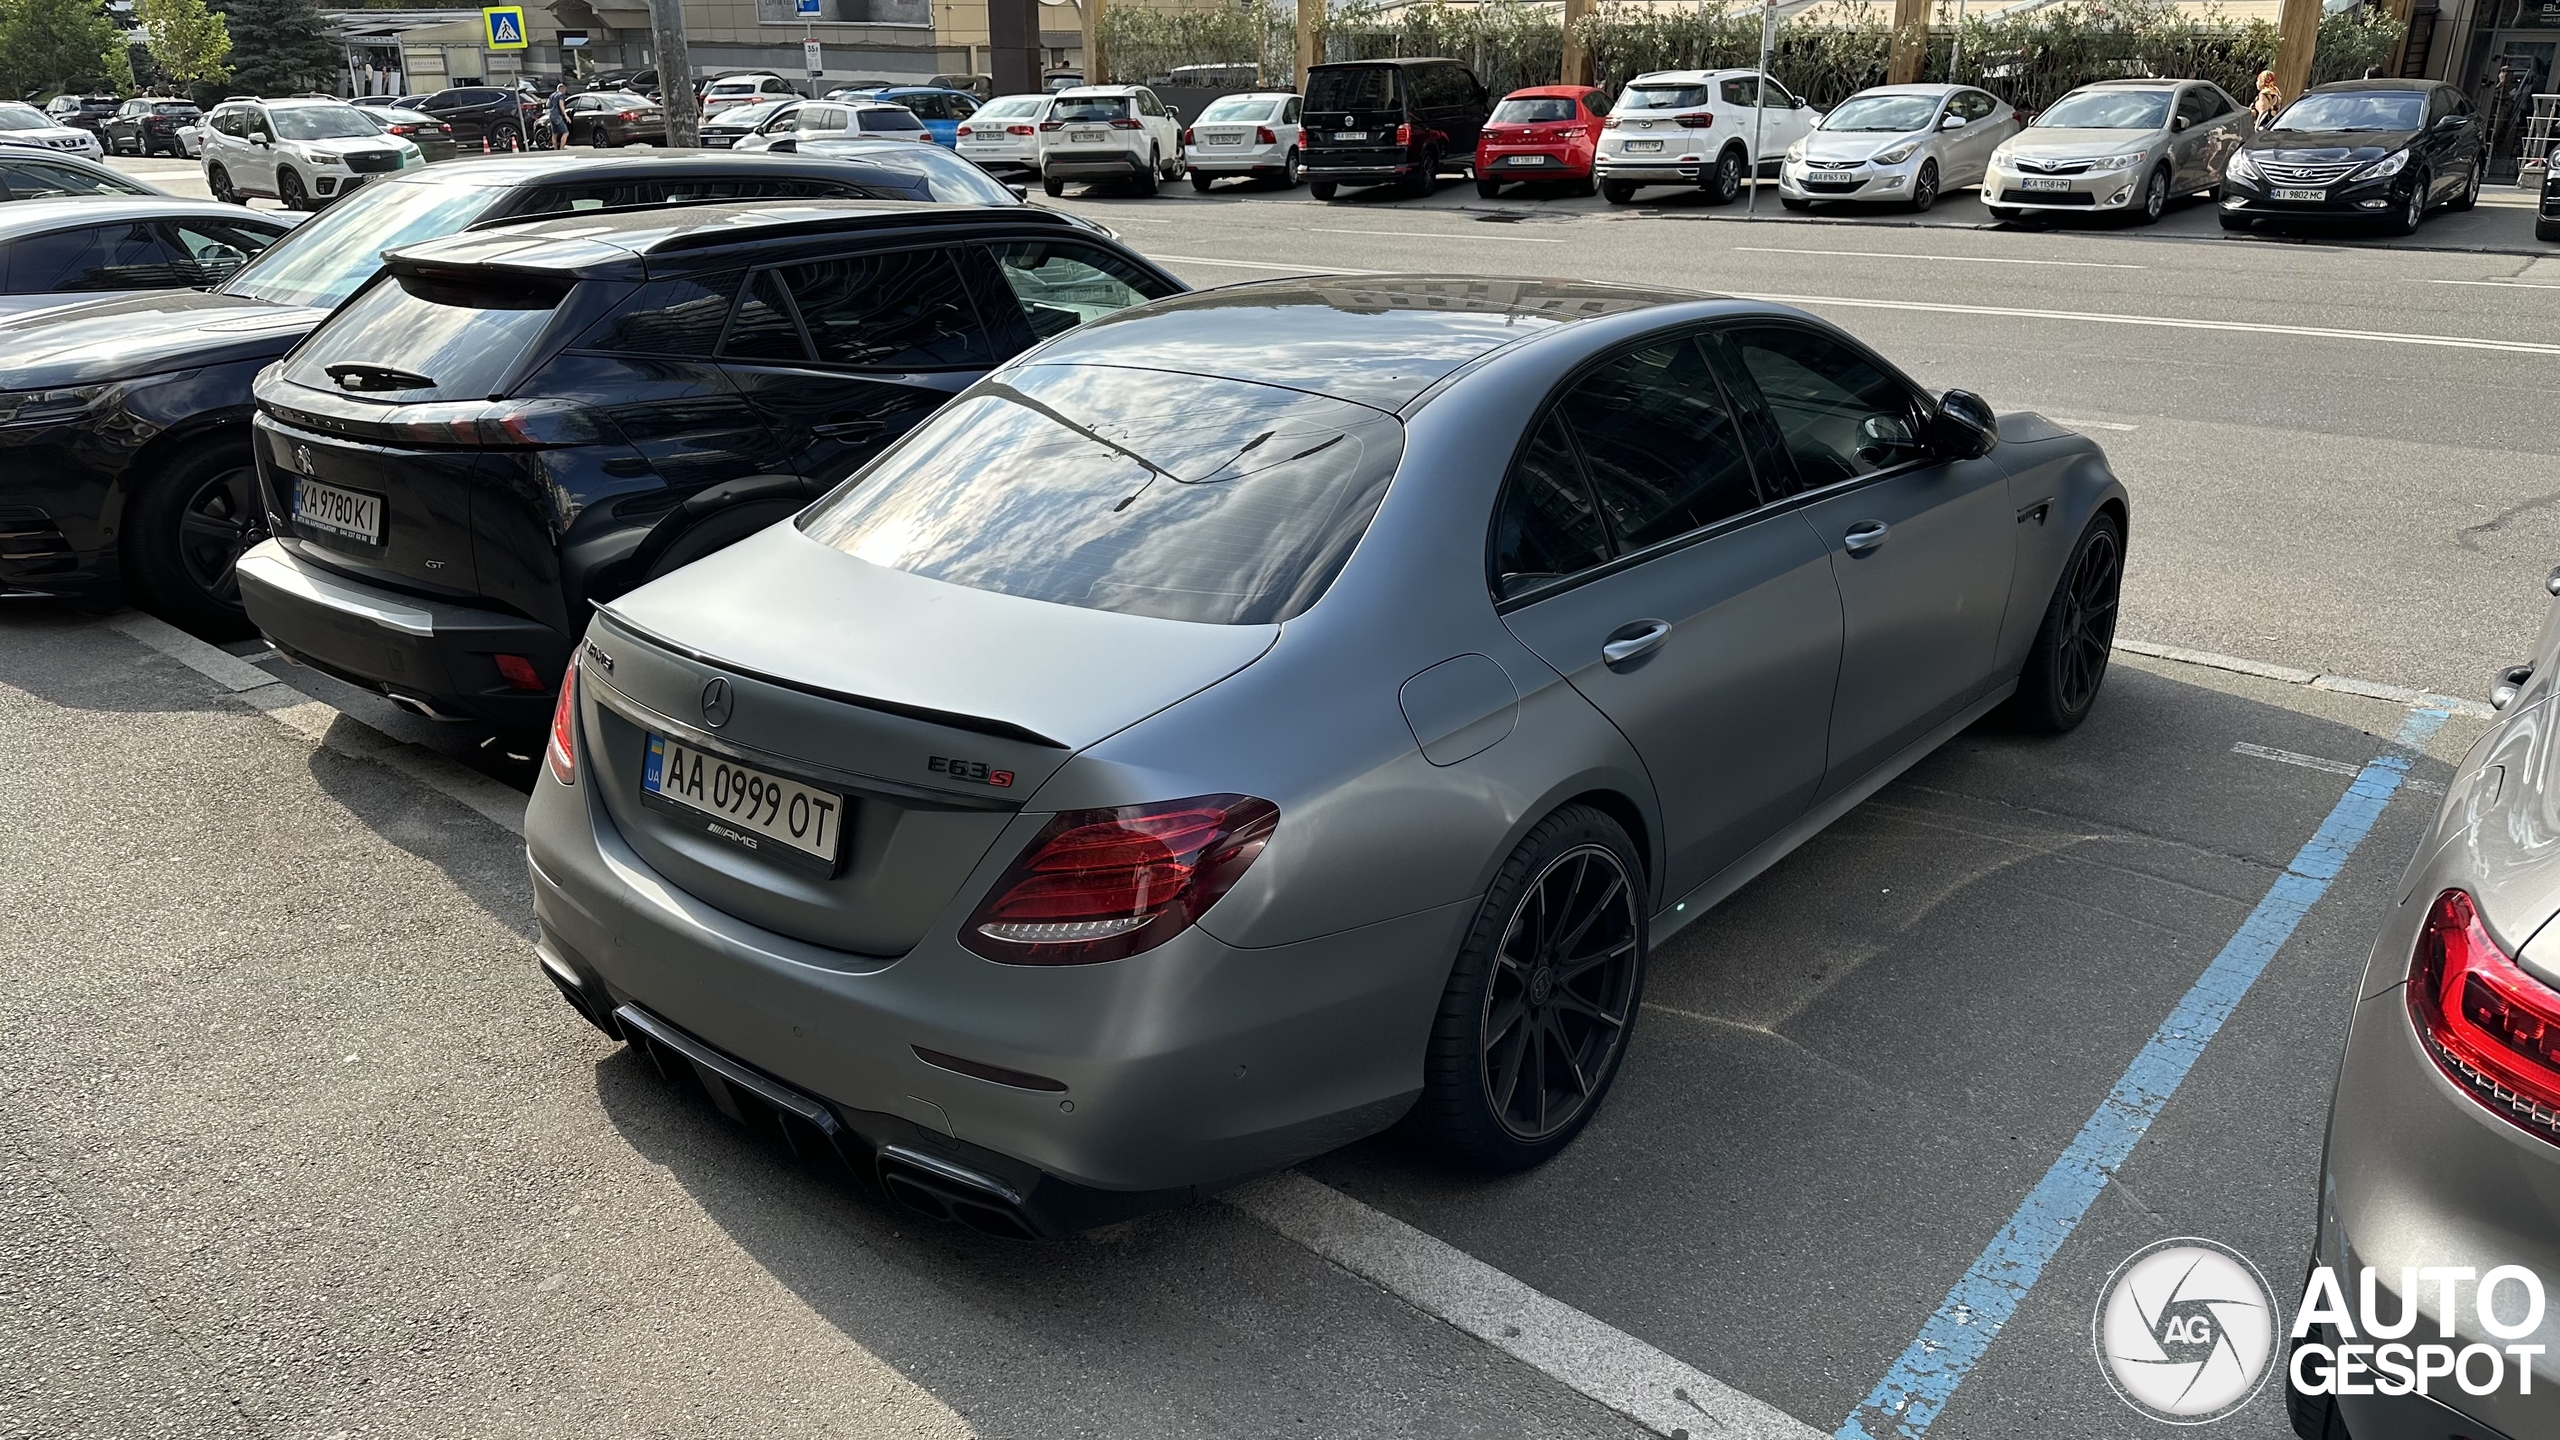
x: 2047, y: 197
x: 31, y: 544
x: 2307, y: 174
x: 1831, y: 187
x: 1833, y: 164
x: 69, y: 143
x: 372, y: 162
x: 2052, y: 167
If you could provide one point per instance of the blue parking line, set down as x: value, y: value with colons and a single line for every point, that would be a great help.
x: 1916, y: 1390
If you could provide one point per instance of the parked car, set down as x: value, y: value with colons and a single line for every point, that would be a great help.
x: 131, y: 466
x: 607, y: 118
x: 732, y: 91
x: 1109, y: 132
x: 26, y: 127
x: 1254, y: 135
x: 2370, y: 150
x: 433, y: 137
x: 1389, y: 122
x: 147, y: 127
x: 724, y: 131
x: 886, y: 168
x: 940, y: 108
x: 678, y: 379
x: 1901, y: 145
x: 1004, y: 136
x: 82, y: 112
x: 300, y: 153
x: 1715, y: 129
x: 821, y: 119
x: 1542, y: 134
x: 40, y: 175
x: 53, y: 252
x: 2121, y: 146
x: 1060, y: 80
x: 388, y: 102
x: 2442, y: 1161
x: 1364, y: 735
x: 484, y: 117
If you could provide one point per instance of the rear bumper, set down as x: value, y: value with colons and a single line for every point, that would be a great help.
x: 1675, y: 170
x: 1237, y: 159
x: 433, y: 655
x: 1532, y: 165
x: 1002, y: 164
x: 1114, y: 163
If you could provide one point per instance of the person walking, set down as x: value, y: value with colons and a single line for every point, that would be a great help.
x: 2270, y: 101
x: 558, y: 115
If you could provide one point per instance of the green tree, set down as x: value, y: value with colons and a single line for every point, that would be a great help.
x: 280, y: 47
x: 188, y: 41
x: 58, y: 45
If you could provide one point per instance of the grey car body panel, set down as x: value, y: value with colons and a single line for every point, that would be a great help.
x: 1407, y: 729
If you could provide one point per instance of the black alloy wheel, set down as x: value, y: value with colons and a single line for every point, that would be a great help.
x: 1724, y: 183
x: 289, y: 191
x: 2068, y: 661
x: 218, y: 181
x: 185, y: 534
x: 1424, y: 181
x: 1534, y: 1022
x: 1924, y: 187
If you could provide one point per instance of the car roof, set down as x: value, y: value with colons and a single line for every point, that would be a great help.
x: 925, y: 90
x: 555, y: 166
x: 2417, y: 87
x: 1559, y: 92
x: 1930, y: 89
x: 1691, y: 77
x: 1398, y: 60
x: 2169, y: 84
x: 576, y: 241
x: 28, y: 217
x: 1378, y: 340
x: 1104, y: 92
x: 298, y: 102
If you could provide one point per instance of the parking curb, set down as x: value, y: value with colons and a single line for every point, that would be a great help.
x: 2342, y: 684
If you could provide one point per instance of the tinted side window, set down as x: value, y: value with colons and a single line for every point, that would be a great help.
x: 668, y: 317
x: 208, y: 250
x: 764, y: 329
x: 1061, y: 286
x: 907, y: 311
x: 1547, y: 527
x: 1740, y: 90
x: 2194, y: 105
x: 42, y: 179
x: 1661, y: 445
x: 103, y: 257
x: 1822, y: 393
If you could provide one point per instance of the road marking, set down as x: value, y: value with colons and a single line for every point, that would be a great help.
x: 2094, y: 424
x: 2316, y: 762
x: 2495, y: 284
x: 1950, y: 259
x: 1598, y: 1360
x: 1261, y: 265
x: 2098, y: 317
x: 2343, y: 684
x: 1915, y: 1391
x: 1506, y: 237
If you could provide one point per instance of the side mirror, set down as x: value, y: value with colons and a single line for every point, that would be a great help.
x: 1882, y: 437
x: 2178, y: 124
x: 2453, y: 122
x: 1795, y: 102
x: 1020, y: 192
x: 261, y: 137
x: 1952, y: 122
x: 1964, y: 426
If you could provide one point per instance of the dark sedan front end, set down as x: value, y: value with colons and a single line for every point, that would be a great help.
x: 2367, y: 182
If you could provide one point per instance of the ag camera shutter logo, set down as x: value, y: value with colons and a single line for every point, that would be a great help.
x: 2184, y: 1330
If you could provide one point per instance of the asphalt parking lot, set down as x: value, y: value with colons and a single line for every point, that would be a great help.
x: 302, y: 1145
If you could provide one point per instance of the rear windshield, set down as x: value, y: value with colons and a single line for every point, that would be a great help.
x: 1084, y: 110
x: 2349, y: 110
x: 325, y: 259
x: 1185, y: 498
x: 880, y: 120
x: 1353, y: 87
x: 1012, y: 107
x: 1245, y: 108
x: 2108, y: 110
x: 1537, y: 109
x: 175, y: 107
x: 1660, y: 97
x: 409, y: 340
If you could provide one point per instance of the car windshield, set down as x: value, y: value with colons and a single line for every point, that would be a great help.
x: 1891, y: 114
x: 913, y: 172
x: 1090, y: 109
x: 1533, y: 109
x: 325, y: 259
x: 1353, y: 87
x: 1660, y: 97
x: 1247, y: 109
x: 2108, y: 110
x: 323, y: 122
x: 23, y: 117
x: 1014, y: 107
x: 2354, y: 110
x: 1183, y: 497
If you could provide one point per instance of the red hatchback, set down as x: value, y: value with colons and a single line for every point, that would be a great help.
x: 1546, y: 132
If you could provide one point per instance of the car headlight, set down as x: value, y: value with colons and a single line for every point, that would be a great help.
x: 35, y: 407
x: 320, y: 157
x: 2000, y: 158
x: 2242, y: 166
x: 2125, y: 161
x: 2391, y: 164
x: 1796, y: 151
x: 1896, y: 155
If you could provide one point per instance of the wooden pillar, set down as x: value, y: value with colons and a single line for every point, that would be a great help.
x: 1310, y: 38
x: 2399, y: 10
x: 2298, y: 36
x: 1577, y: 56
x: 1911, y: 42
x: 1096, y: 64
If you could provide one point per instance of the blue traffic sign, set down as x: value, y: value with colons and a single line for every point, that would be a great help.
x: 503, y: 27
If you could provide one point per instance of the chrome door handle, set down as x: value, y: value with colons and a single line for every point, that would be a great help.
x: 1633, y: 640
x: 1865, y: 536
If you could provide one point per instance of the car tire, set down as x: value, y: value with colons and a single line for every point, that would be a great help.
x: 1585, y: 187
x: 2546, y: 229
x: 2155, y: 198
x: 1052, y: 187
x: 2067, y: 664
x: 185, y: 529
x: 1323, y: 189
x: 1924, y: 188
x: 2414, y: 213
x: 1151, y: 175
x: 1425, y: 181
x: 2470, y: 195
x: 218, y: 181
x: 1289, y: 167
x: 289, y: 191
x: 1487, y: 189
x: 1514, y: 1005
x: 1200, y: 181
x: 2314, y: 1417
x: 1617, y: 192
x: 1723, y: 184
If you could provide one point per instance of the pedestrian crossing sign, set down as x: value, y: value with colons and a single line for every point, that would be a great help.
x: 505, y: 27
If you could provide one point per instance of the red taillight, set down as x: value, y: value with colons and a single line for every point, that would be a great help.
x: 1186, y: 136
x: 1404, y: 134
x: 1126, y: 125
x: 1020, y: 130
x: 2493, y: 1029
x: 1698, y: 121
x: 562, y: 753
x: 965, y: 130
x: 1609, y: 123
x: 1053, y: 124
x: 627, y: 115
x: 518, y: 672
x: 1262, y: 136
x: 1106, y: 884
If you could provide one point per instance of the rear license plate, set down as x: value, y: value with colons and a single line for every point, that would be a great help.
x: 2300, y: 194
x: 2042, y: 182
x: 1221, y: 137
x: 351, y: 513
x: 1085, y: 137
x: 1643, y: 147
x: 1350, y: 134
x: 773, y: 817
x: 1533, y: 160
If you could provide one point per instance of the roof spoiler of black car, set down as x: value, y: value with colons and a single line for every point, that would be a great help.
x: 906, y: 212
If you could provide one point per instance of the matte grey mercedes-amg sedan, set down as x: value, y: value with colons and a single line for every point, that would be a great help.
x: 1261, y: 716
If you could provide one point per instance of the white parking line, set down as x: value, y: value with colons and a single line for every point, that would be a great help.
x: 2094, y: 424
x: 1951, y: 259
x: 1263, y: 265
x: 2168, y: 322
x: 2496, y: 284
x: 1600, y: 1361
x: 1506, y: 237
x: 2315, y: 762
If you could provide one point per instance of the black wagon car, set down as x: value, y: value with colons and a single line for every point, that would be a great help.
x: 1390, y: 122
x: 124, y: 422
x: 509, y: 426
x: 499, y: 117
x: 147, y: 127
x: 2385, y: 151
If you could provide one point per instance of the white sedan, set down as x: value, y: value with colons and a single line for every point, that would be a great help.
x: 1003, y: 137
x: 1897, y: 145
x: 1254, y: 135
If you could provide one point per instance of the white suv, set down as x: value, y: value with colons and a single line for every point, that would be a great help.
x: 1708, y: 128
x: 1110, y: 132
x: 302, y: 153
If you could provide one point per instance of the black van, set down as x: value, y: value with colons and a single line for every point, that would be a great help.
x: 510, y: 426
x: 1390, y: 122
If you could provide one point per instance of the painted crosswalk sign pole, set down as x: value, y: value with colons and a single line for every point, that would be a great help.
x: 503, y: 27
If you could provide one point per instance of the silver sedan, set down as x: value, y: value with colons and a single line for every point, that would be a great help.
x: 1142, y: 775
x: 2124, y: 147
x: 1897, y: 145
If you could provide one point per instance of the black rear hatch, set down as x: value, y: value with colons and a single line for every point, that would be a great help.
x: 1352, y: 115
